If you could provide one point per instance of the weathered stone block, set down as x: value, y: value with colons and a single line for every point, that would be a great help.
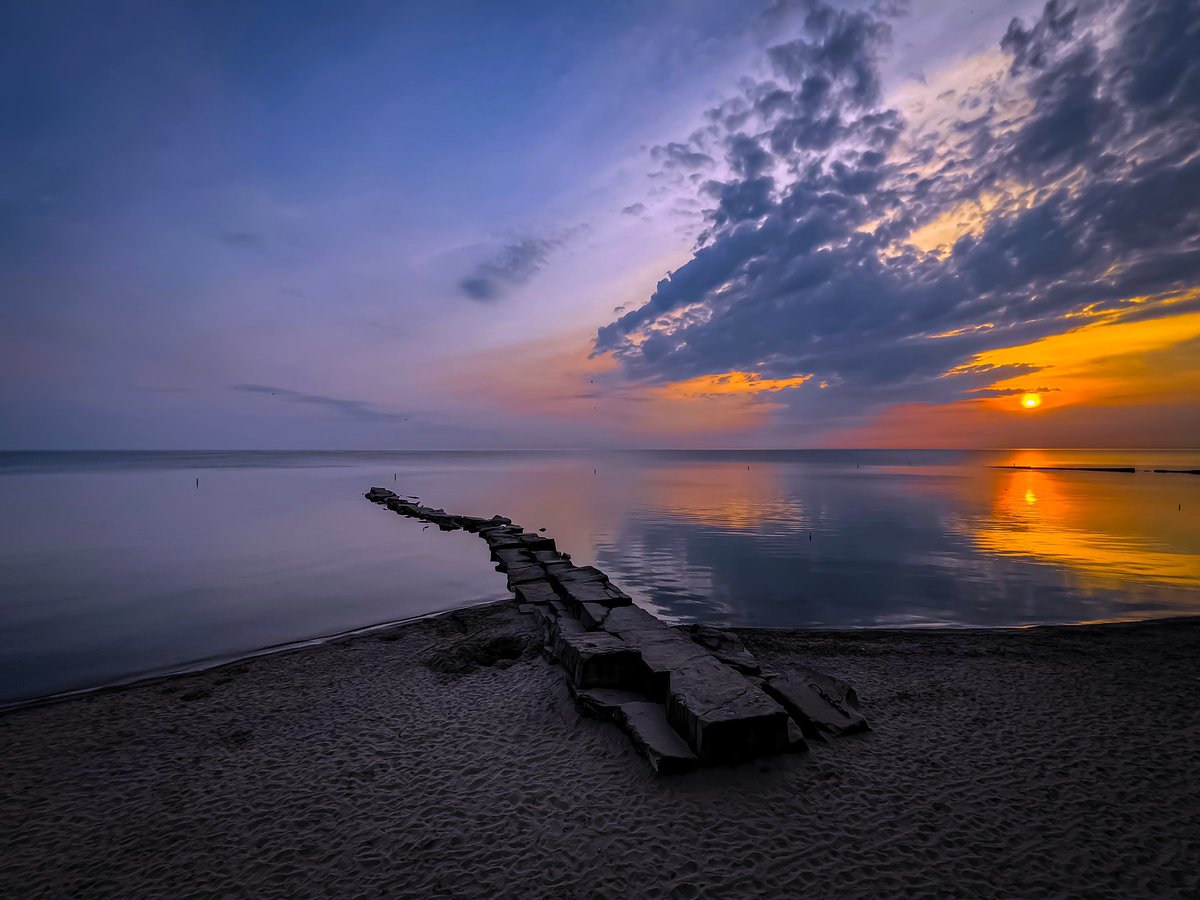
x: 721, y: 715
x: 821, y: 704
x: 513, y: 557
x: 531, y: 540
x: 591, y: 592
x: 595, y: 658
x: 725, y: 646
x: 719, y: 712
x: 503, y: 539
x: 580, y: 574
x: 644, y: 721
x: 592, y: 615
x: 648, y: 727
x: 521, y: 574
x: 535, y: 592
x: 604, y: 703
x: 663, y: 649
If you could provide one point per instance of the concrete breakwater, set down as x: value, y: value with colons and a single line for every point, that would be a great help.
x: 685, y: 696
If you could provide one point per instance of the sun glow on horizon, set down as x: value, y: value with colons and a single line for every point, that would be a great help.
x: 1031, y: 401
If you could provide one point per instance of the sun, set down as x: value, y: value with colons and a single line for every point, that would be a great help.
x: 1031, y: 401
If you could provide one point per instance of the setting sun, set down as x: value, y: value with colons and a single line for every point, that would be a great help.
x: 1031, y: 401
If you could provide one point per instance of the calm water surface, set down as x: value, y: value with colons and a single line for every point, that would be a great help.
x: 117, y: 564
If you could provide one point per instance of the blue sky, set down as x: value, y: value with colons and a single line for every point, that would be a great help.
x: 413, y: 225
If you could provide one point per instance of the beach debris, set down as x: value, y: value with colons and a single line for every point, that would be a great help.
x: 685, y: 696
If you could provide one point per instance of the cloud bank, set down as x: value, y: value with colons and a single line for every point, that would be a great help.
x: 879, y: 250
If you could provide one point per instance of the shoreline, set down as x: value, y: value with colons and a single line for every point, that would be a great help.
x: 210, y: 664
x: 445, y: 756
x: 199, y: 667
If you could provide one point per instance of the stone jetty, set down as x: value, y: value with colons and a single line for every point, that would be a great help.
x: 685, y: 696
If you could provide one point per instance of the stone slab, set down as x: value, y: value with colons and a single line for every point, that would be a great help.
x: 502, y: 540
x: 522, y: 574
x: 604, y: 703
x: 531, y: 540
x: 595, y: 658
x: 512, y: 557
x: 651, y: 732
x: 821, y: 704
x: 577, y: 574
x: 575, y: 595
x: 592, y: 615
x: 535, y: 592
x: 663, y: 648
x: 721, y: 715
x: 725, y: 646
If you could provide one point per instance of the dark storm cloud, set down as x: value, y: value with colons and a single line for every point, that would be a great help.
x: 514, y: 265
x: 810, y: 272
x: 355, y: 409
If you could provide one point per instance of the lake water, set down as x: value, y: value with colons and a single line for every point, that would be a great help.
x: 114, y: 565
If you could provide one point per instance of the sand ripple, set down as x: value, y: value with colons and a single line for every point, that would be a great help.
x: 1015, y: 765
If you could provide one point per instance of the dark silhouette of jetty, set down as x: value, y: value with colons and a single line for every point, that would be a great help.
x: 1129, y: 470
x: 685, y: 696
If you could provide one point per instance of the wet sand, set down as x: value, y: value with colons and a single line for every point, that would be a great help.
x: 445, y: 758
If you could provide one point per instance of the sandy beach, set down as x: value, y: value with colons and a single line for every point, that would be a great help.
x: 444, y: 757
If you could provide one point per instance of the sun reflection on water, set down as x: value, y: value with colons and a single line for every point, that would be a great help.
x: 1093, y: 525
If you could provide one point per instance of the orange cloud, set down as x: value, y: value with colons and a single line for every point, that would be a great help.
x: 729, y: 383
x: 554, y: 378
x: 1108, y: 362
x: 723, y: 403
x: 1114, y: 381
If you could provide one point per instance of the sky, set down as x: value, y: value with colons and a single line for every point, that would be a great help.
x: 678, y: 223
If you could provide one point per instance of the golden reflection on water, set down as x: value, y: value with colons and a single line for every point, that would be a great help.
x: 1102, y: 526
x: 1135, y: 535
x: 728, y: 496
